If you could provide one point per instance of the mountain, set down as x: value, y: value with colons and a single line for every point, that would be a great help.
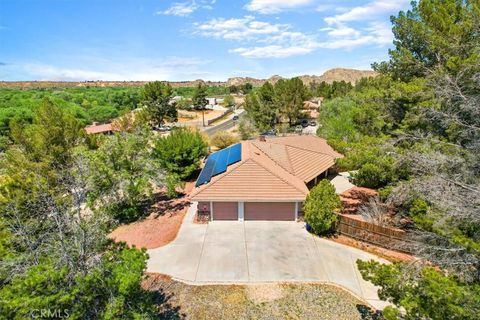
x: 337, y: 74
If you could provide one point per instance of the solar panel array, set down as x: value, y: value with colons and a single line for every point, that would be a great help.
x: 218, y: 162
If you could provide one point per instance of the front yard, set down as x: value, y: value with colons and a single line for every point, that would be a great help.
x: 260, y: 301
x: 160, y: 227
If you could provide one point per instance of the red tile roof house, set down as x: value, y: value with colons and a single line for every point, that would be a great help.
x: 269, y: 182
x: 96, y: 128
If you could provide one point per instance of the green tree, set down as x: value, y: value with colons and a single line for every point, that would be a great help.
x: 246, y: 128
x: 123, y: 174
x: 228, y: 101
x: 180, y: 152
x: 425, y: 293
x: 434, y: 33
x: 246, y: 88
x: 261, y: 108
x: 102, y: 113
x: 289, y: 98
x: 199, y: 99
x: 157, y: 98
x: 111, y: 290
x: 55, y: 252
x: 51, y: 137
x: 321, y: 207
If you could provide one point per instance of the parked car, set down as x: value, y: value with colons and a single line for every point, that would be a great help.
x: 235, y: 118
x: 313, y: 123
x: 299, y: 129
x: 270, y: 132
x: 304, y: 123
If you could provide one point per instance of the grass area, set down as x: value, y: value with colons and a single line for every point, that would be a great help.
x: 265, y: 301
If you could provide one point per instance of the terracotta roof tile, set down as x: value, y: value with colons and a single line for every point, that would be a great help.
x: 99, y: 128
x: 276, y: 169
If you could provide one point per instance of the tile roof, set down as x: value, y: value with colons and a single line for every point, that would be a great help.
x: 99, y: 128
x: 275, y: 169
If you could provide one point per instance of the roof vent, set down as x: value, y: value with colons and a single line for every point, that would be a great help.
x: 262, y: 138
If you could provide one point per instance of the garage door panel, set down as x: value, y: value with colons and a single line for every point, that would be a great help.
x: 225, y: 211
x: 280, y: 211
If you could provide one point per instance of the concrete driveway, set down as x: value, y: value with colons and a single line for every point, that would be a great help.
x: 259, y: 252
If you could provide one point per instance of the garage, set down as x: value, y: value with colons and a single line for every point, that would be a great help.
x: 225, y: 211
x: 284, y: 211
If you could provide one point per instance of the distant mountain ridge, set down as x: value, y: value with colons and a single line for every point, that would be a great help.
x: 336, y: 74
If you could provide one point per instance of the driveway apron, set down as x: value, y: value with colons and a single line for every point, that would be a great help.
x: 259, y: 252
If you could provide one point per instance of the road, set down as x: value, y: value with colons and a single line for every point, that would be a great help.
x: 223, y: 126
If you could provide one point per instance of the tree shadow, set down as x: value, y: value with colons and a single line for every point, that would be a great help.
x: 166, y: 310
x: 368, y: 313
x: 161, y: 204
x: 158, y: 287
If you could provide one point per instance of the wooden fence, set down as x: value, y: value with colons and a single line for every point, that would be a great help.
x: 385, y: 237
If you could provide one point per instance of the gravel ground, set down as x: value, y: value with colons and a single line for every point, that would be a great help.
x: 269, y: 301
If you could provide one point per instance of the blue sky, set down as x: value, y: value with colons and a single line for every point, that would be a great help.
x: 187, y: 40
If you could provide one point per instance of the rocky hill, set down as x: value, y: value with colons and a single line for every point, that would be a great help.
x: 337, y: 74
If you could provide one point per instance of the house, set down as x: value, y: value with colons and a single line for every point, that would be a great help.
x: 265, y: 179
x: 96, y: 128
x: 311, y: 107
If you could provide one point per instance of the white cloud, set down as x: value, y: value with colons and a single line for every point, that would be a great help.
x: 262, y: 39
x: 341, y: 35
x: 275, y: 6
x: 181, y: 9
x: 341, y: 30
x: 246, y: 28
x: 369, y: 11
x: 278, y: 40
x: 273, y: 51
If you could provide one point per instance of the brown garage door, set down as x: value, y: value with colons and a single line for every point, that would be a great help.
x: 269, y: 211
x: 225, y: 211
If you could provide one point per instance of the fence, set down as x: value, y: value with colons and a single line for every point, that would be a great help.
x: 368, y: 232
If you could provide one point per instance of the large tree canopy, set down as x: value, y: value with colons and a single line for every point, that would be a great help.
x: 157, y: 98
x: 413, y: 132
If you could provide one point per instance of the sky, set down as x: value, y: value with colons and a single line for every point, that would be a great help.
x: 179, y: 40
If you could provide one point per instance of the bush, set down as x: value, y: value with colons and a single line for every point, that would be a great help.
x: 223, y: 139
x: 320, y: 207
x: 180, y: 152
x: 373, y: 175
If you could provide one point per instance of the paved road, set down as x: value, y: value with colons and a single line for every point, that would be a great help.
x: 226, y: 125
x: 259, y: 252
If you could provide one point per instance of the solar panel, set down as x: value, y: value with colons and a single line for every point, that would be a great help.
x: 206, y: 173
x: 235, y: 154
x: 217, y: 163
x: 221, y: 165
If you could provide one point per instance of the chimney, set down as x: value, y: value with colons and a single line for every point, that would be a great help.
x: 262, y: 138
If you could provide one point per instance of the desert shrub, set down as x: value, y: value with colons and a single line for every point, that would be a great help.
x: 320, y: 207
x: 223, y: 139
x: 180, y: 152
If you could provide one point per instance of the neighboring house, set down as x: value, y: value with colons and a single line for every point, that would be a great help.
x: 265, y: 179
x: 96, y: 128
x: 311, y: 107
